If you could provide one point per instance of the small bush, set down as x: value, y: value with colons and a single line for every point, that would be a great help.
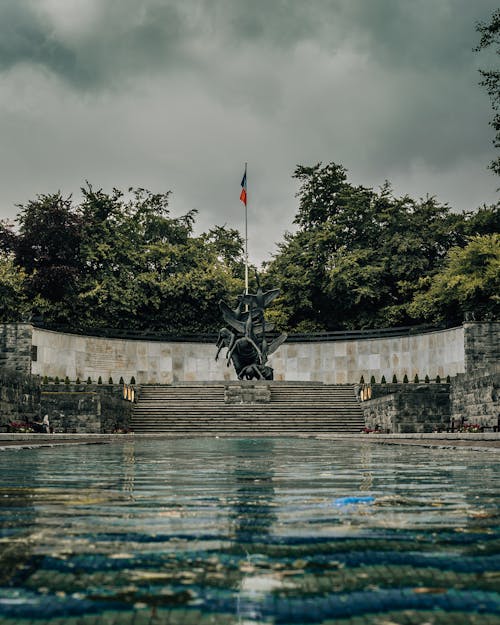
x: 383, y: 380
x: 56, y: 380
x: 45, y: 380
x: 438, y: 379
x: 415, y: 379
x: 66, y: 381
x: 110, y: 381
x: 89, y: 380
x: 426, y: 379
x: 394, y: 379
x: 372, y: 380
x: 132, y: 380
x: 99, y: 380
x: 448, y: 379
x: 122, y: 381
x: 77, y: 381
x: 405, y: 379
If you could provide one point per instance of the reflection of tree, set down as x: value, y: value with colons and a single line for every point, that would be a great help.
x: 129, y: 468
x: 366, y: 468
x: 252, y: 519
x: 253, y: 513
x: 18, y: 524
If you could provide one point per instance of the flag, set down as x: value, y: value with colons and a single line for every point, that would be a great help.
x: 243, y: 194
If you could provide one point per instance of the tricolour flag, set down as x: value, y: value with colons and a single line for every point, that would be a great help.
x: 243, y: 194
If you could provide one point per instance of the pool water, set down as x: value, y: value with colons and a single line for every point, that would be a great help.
x: 229, y: 531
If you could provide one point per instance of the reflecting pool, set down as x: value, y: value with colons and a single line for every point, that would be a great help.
x: 228, y: 531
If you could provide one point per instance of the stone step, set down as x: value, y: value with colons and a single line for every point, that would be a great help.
x: 293, y: 408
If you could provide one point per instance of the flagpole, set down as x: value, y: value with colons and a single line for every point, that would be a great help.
x: 246, y: 234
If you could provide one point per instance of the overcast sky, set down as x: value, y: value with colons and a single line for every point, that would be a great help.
x: 178, y: 94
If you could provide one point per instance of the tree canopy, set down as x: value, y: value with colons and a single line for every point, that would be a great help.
x: 360, y: 258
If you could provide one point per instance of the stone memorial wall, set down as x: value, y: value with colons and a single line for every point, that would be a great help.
x: 332, y: 362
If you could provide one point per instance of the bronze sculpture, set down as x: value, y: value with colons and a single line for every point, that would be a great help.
x: 245, y: 339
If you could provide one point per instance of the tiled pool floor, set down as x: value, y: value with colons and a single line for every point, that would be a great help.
x: 229, y: 531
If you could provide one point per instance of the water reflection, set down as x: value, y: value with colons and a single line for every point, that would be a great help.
x: 247, y: 530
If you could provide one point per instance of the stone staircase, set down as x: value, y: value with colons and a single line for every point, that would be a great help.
x: 201, y: 409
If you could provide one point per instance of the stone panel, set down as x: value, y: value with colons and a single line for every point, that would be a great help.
x: 19, y: 398
x: 475, y: 399
x: 15, y: 347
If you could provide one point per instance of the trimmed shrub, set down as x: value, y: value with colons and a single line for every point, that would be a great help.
x: 56, y: 380
x: 415, y: 379
x: 372, y: 380
x: 45, y: 380
x: 89, y: 380
x: 122, y: 381
x: 438, y: 379
x: 132, y: 380
x: 99, y: 380
x: 66, y: 381
x: 448, y: 379
x: 383, y: 380
x: 426, y: 379
x: 394, y: 379
x: 110, y: 381
x: 77, y: 381
x: 405, y: 379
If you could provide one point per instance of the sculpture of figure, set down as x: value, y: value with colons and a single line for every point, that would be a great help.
x: 226, y: 338
x: 247, y: 346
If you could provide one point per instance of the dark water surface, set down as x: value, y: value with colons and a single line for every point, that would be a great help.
x: 230, y: 531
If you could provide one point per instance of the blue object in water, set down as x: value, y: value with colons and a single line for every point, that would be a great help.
x: 346, y: 501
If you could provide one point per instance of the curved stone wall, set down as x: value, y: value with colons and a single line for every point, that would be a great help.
x: 339, y: 362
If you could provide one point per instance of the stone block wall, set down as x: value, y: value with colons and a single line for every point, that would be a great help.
x: 15, y: 347
x: 247, y: 394
x: 85, y: 408
x: 404, y: 408
x: 481, y: 346
x: 475, y: 399
x: 19, y: 398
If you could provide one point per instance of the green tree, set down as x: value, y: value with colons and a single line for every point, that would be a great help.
x: 14, y: 304
x: 146, y: 269
x: 468, y: 282
x: 357, y: 256
x: 46, y: 246
x: 490, y: 36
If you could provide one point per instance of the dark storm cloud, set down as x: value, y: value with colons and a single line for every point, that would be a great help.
x: 122, y: 39
x: 24, y: 38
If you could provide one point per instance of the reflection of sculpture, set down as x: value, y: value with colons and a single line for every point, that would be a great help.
x: 246, y: 343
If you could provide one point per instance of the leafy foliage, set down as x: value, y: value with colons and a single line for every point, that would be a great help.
x: 13, y: 299
x: 468, y: 282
